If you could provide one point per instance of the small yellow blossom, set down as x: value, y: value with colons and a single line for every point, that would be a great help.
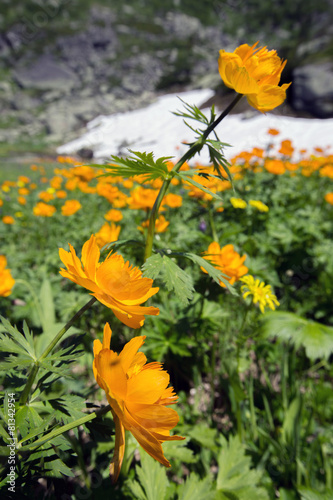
x: 238, y: 203
x: 262, y: 293
x: 259, y: 205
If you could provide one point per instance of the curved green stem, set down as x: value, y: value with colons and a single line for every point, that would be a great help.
x: 26, y: 391
x: 195, y: 148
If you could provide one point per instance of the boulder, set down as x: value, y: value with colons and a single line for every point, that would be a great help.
x: 46, y: 74
x: 312, y: 89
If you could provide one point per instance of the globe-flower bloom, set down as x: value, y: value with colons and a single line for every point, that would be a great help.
x: 6, y: 280
x: 262, y: 294
x: 43, y: 209
x: 329, y: 198
x: 107, y: 234
x: 161, y: 224
x: 114, y: 282
x: 254, y: 72
x: 138, y: 394
x: 70, y: 207
x: 227, y: 260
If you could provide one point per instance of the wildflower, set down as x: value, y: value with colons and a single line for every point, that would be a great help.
x: 262, y: 293
x: 329, y: 198
x: 138, y: 394
x: 46, y: 196
x: 113, y: 215
x: 286, y: 148
x: 44, y: 210
x: 113, y: 282
x: 276, y: 167
x: 161, y: 224
x: 8, y: 219
x: 61, y: 194
x: 227, y: 260
x: 259, y: 205
x: 238, y: 203
x: 254, y: 72
x: 22, y: 200
x: 173, y: 200
x: 142, y: 198
x: 70, y: 207
x: 273, y: 131
x: 6, y: 280
x: 107, y: 234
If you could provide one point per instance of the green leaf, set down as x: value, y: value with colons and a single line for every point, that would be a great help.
x: 317, y: 339
x: 292, y: 419
x: 153, y: 478
x: 153, y: 266
x: 194, y: 113
x: 173, y: 276
x: 309, y: 494
x: 211, y: 270
x: 203, y: 435
x: 15, y: 342
x: 196, y: 488
x: 138, y: 163
x: 187, y: 178
x: 47, y: 304
x: 56, y: 468
x: 235, y: 475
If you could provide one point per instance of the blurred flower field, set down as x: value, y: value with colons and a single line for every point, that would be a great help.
x: 222, y: 309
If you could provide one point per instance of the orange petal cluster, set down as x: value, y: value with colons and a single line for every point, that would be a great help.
x: 70, y: 207
x: 254, y: 72
x: 138, y: 394
x: 107, y: 234
x: 6, y: 280
x: 227, y: 260
x: 114, y: 282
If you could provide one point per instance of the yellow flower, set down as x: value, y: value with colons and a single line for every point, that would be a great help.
x: 43, y: 209
x: 6, y: 280
x: 262, y: 293
x: 107, y: 234
x: 259, y: 205
x: 254, y: 72
x: 138, y: 394
x: 227, y: 260
x: 238, y: 203
x: 70, y: 207
x: 113, y: 282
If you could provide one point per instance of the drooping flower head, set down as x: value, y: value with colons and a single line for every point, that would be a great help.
x: 262, y: 294
x: 254, y: 72
x: 114, y: 282
x: 227, y: 260
x: 138, y: 394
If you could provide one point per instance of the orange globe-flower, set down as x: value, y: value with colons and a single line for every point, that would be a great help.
x: 6, y: 280
x: 254, y: 72
x: 138, y: 394
x: 227, y: 260
x: 114, y: 282
x: 107, y: 234
x: 70, y: 207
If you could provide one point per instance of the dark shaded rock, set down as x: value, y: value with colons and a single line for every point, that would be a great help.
x: 46, y: 74
x: 85, y: 153
x: 312, y: 89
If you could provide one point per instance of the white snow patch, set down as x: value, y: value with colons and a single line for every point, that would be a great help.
x: 156, y: 129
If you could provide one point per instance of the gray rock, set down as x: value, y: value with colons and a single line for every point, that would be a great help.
x: 312, y: 89
x: 46, y: 74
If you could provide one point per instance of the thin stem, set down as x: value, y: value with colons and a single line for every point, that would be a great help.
x: 195, y: 148
x: 52, y: 344
x: 212, y: 224
x: 62, y: 332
